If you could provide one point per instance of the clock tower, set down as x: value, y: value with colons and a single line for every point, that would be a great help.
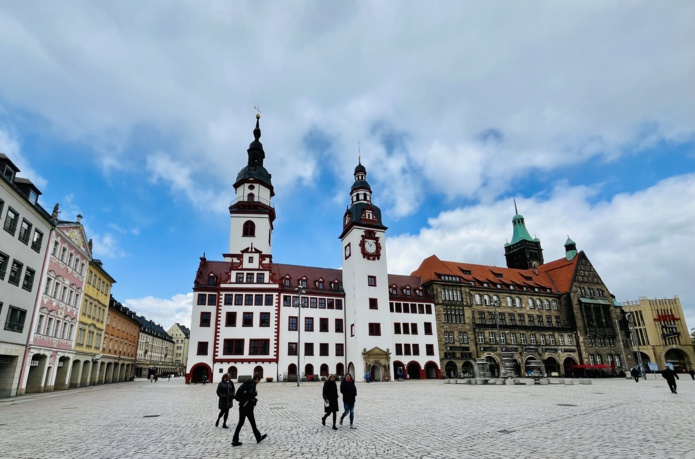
x: 368, y: 327
x: 252, y: 212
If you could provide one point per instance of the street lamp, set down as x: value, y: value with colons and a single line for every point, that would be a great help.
x: 298, y: 305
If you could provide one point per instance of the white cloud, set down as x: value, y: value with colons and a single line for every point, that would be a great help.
x: 561, y: 82
x: 164, y: 311
x: 10, y: 145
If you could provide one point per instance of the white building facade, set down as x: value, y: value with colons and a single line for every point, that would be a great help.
x: 252, y: 316
x: 25, y: 229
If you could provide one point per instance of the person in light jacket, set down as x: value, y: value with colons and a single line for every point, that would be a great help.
x: 225, y: 392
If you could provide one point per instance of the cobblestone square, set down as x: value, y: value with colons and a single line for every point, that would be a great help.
x: 615, y: 418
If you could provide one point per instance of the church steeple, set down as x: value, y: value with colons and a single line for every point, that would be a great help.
x: 523, y: 252
x: 570, y: 249
x: 361, y: 210
x: 254, y: 170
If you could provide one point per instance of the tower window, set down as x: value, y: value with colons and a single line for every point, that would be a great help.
x: 249, y: 229
x: 251, y: 197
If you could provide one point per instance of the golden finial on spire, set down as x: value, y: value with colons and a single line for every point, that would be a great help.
x: 359, y: 153
x: 258, y: 112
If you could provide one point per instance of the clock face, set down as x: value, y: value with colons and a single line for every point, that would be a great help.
x: 347, y: 251
x: 370, y: 246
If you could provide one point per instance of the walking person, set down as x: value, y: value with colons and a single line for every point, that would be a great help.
x: 635, y: 373
x: 225, y: 392
x: 247, y: 398
x: 670, y: 376
x: 349, y: 391
x: 330, y: 399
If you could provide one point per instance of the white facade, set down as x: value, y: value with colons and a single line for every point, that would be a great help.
x: 247, y: 317
x: 24, y: 234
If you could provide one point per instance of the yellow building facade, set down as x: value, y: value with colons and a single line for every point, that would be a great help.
x: 660, y: 334
x: 90, y: 331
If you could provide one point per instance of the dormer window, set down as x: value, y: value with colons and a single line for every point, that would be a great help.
x: 406, y: 291
x: 302, y: 283
x: 8, y: 173
x: 211, y: 279
x: 319, y: 284
x: 286, y: 282
x: 394, y: 290
x: 419, y: 292
x: 335, y: 285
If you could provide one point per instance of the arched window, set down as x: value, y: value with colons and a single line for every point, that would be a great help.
x: 249, y: 229
x: 251, y: 197
x: 232, y: 372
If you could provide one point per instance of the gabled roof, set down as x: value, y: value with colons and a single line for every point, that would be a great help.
x: 312, y: 274
x: 414, y: 282
x: 432, y: 268
x: 560, y: 272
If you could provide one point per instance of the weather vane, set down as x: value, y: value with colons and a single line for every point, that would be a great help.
x: 258, y: 111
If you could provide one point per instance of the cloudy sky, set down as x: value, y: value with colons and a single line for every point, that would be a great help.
x: 138, y: 116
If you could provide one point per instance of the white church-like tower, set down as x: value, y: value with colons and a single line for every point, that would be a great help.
x: 369, y: 334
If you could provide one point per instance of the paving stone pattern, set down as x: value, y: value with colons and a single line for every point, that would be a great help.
x: 614, y: 418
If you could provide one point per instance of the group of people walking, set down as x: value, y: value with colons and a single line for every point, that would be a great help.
x: 667, y: 373
x: 330, y: 399
x: 247, y: 398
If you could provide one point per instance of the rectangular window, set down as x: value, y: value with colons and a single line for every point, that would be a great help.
x: 260, y: 278
x: 204, y: 319
x: 371, y: 281
x: 397, y: 328
x: 339, y: 350
x: 212, y: 299
x: 339, y: 325
x: 406, y: 328
x: 522, y: 338
x: 258, y: 300
x: 239, y: 278
x: 420, y: 308
x: 308, y: 348
x: 428, y: 309
x: 309, y: 324
x: 247, y: 320
x: 561, y: 339
x: 269, y: 300
x: 25, y: 231
x: 428, y: 328
x: 413, y: 329
x: 323, y: 349
x: 399, y: 349
x: 322, y: 303
x: 512, y: 338
x: 291, y: 348
x: 249, y: 278
x: 15, y: 319
x: 233, y: 347
x: 331, y: 303
x: 292, y: 324
x: 238, y: 299
x: 339, y: 304
x: 323, y: 325
x: 373, y: 303
x: 228, y: 299
x: 202, y: 298
x: 28, y: 283
x: 491, y: 337
x: 416, y: 349
x: 202, y: 348
x: 248, y: 299
x: 286, y: 300
x: 533, y: 338
x: 4, y: 263
x: 481, y: 338
x: 265, y: 319
x: 312, y: 303
x: 230, y: 320
x: 406, y: 349
x: 11, y: 221
x: 374, y: 329
x: 259, y: 347
x: 429, y: 349
x: 569, y: 340
x: 15, y: 272
x: 551, y: 339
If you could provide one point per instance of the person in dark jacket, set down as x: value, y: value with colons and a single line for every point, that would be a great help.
x: 330, y: 399
x: 225, y: 392
x: 349, y: 391
x: 670, y: 376
x: 635, y: 373
x: 247, y: 398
